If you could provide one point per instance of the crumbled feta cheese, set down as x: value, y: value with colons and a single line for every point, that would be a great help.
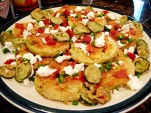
x: 100, y: 42
x: 119, y: 43
x: 82, y: 47
x: 77, y: 68
x: 37, y: 34
x: 83, y: 16
x: 47, y: 31
x: 108, y: 26
x: 115, y: 91
x: 9, y: 46
x: 97, y: 65
x: 28, y: 56
x: 71, y: 11
x: 39, y: 58
x: 33, y: 60
x: 41, y: 23
x: 74, y: 38
x: 120, y: 62
x: 14, y: 63
x: 44, y: 41
x: 78, y: 9
x: 106, y: 33
x: 126, y: 27
x: 84, y: 21
x: 29, y: 26
x: 26, y: 33
x: 90, y: 15
x: 92, y: 38
x: 45, y: 71
x: 73, y: 15
x: 130, y: 50
x: 64, y: 28
x: 53, y: 31
x: 62, y: 58
x: 134, y: 83
x: 111, y: 16
x: 26, y: 82
x: 57, y: 15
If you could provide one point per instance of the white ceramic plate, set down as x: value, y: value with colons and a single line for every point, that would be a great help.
x: 28, y: 99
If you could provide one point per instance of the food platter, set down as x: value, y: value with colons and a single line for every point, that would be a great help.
x: 28, y: 99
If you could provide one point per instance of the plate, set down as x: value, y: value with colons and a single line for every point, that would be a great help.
x: 29, y: 100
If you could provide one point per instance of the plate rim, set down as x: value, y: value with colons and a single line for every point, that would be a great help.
x: 144, y: 92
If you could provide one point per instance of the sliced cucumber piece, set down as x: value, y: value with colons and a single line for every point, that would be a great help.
x: 142, y: 42
x: 81, y: 29
x: 87, y: 101
x: 18, y: 41
x: 137, y: 26
x: 141, y: 64
x: 48, y: 13
x: 95, y: 27
x: 23, y: 70
x: 37, y: 14
x: 56, y: 20
x: 142, y: 51
x: 93, y: 74
x: 61, y: 36
x: 7, y: 71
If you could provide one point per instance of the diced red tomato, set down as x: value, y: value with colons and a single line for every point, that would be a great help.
x: 70, y: 33
x: 50, y: 40
x: 120, y: 74
x: 92, y: 19
x: 90, y: 48
x: 113, y: 32
x: 66, y: 12
x: 79, y: 41
x: 19, y: 26
x: 131, y: 55
x: 73, y: 64
x: 40, y: 30
x: 9, y: 61
x: 117, y: 26
x: 86, y: 12
x: 81, y: 76
x: 46, y: 21
x: 56, y: 26
x: 87, y: 39
x: 65, y: 22
x: 131, y: 30
x: 105, y: 11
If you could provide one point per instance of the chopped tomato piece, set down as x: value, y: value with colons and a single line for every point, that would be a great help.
x: 113, y: 32
x: 117, y: 26
x: 65, y: 22
x: 131, y: 30
x: 120, y: 74
x: 56, y: 26
x: 131, y: 55
x: 86, y: 12
x: 19, y: 26
x: 81, y: 76
x: 46, y: 21
x: 90, y: 48
x: 40, y: 30
x: 79, y: 41
x: 105, y: 11
x: 87, y: 39
x: 92, y: 19
x: 70, y: 33
x: 66, y: 12
x: 9, y: 61
x: 50, y: 40
x: 73, y: 64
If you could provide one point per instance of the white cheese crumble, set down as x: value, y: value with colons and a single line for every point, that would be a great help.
x: 47, y: 31
x: 73, y: 15
x: 97, y: 65
x: 120, y: 62
x: 29, y: 26
x: 37, y: 34
x: 33, y: 59
x: 82, y: 47
x: 44, y: 41
x: 74, y: 39
x: 130, y: 50
x: 100, y: 42
x: 119, y: 43
x: 134, y: 83
x: 115, y: 91
x: 108, y: 26
x: 64, y: 28
x: 57, y: 15
x: 26, y: 33
x: 77, y: 68
x: 62, y: 58
x: 111, y: 16
x: 53, y: 31
x: 90, y: 15
x: 126, y: 27
x: 84, y: 21
x: 26, y: 82
x: 9, y: 46
x: 41, y: 23
x: 45, y: 71
x: 14, y: 63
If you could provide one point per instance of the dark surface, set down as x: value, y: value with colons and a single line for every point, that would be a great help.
x: 141, y: 14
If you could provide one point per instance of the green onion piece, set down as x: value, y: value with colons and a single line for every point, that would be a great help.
x: 93, y: 43
x: 92, y: 34
x: 31, y: 78
x: 138, y: 74
x: 10, y: 31
x: 5, y: 50
x: 77, y: 16
x: 75, y: 102
x: 100, y: 15
x: 102, y: 68
x: 60, y: 79
x: 130, y: 40
x: 107, y: 29
x: 73, y: 26
x: 108, y: 66
x: 75, y: 74
x: 121, y: 36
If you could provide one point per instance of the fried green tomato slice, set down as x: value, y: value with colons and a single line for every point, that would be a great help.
x: 52, y: 89
x: 36, y: 46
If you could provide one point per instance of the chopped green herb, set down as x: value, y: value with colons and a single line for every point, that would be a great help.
x: 93, y: 43
x: 108, y: 66
x: 130, y: 40
x: 138, y: 74
x: 100, y: 15
x: 75, y: 74
x: 106, y: 29
x: 60, y: 78
x: 102, y: 68
x: 77, y: 16
x: 5, y: 50
x: 73, y: 26
x: 32, y: 78
x: 38, y: 66
x: 92, y: 34
x: 121, y: 36
x: 75, y: 102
